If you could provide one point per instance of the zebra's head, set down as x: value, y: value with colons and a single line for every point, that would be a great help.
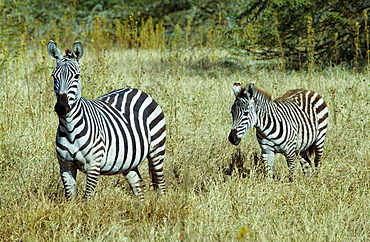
x: 66, y: 77
x: 243, y: 112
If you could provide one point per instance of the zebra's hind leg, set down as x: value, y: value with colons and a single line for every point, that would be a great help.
x: 290, y: 157
x: 133, y: 177
x: 156, y: 170
x: 319, y: 147
x: 305, y: 163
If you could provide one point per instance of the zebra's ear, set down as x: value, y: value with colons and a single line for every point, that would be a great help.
x: 237, y: 88
x: 249, y: 90
x: 53, y: 50
x: 78, y: 50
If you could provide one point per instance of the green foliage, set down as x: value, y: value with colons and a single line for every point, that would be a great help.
x: 328, y: 19
x: 278, y: 29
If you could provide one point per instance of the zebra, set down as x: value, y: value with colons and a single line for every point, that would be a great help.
x: 293, y: 124
x: 108, y: 135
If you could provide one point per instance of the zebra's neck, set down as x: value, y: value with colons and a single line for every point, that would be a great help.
x: 265, y: 108
x: 74, y: 115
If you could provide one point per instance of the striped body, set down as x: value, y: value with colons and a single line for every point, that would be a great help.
x: 294, y: 124
x: 109, y: 135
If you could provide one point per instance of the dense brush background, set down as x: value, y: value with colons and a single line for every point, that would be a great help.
x: 187, y: 55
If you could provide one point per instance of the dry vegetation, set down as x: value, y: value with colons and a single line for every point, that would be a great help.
x: 194, y: 87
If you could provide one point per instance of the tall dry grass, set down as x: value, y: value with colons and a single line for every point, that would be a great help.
x: 194, y: 88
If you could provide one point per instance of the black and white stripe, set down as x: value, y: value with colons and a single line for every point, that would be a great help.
x: 109, y: 135
x: 293, y: 124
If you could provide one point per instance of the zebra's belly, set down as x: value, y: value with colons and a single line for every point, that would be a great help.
x: 121, y: 161
x: 284, y: 146
x: 305, y: 138
x: 111, y: 163
x: 118, y: 154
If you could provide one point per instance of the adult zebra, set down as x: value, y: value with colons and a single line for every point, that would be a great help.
x: 108, y: 135
x: 294, y: 123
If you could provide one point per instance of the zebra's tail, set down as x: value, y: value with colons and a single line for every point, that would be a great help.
x: 311, y: 151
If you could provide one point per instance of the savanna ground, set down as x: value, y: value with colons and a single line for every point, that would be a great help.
x: 194, y: 88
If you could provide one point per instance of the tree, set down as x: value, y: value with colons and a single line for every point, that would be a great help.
x: 334, y: 29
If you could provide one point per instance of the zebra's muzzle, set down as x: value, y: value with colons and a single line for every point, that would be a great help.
x: 233, y: 137
x: 62, y: 107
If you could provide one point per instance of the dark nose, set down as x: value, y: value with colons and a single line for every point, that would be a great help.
x: 233, y: 138
x: 62, y: 107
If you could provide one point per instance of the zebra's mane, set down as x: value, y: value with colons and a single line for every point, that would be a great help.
x: 259, y: 92
x: 69, y: 53
x: 264, y: 94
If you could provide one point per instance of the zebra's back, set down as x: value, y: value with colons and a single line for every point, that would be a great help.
x: 144, y: 129
x: 134, y: 104
x: 307, y: 111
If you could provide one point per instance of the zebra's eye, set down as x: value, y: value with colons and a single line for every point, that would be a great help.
x: 77, y: 76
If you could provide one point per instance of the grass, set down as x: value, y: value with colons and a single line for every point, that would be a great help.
x: 202, y: 204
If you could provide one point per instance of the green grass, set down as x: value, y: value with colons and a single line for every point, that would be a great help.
x: 195, y: 91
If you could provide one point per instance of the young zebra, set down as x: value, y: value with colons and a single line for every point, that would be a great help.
x: 109, y: 135
x: 292, y: 124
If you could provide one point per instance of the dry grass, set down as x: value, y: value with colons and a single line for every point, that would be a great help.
x: 195, y: 91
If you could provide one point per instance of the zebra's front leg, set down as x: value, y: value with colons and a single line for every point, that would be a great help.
x: 92, y: 178
x: 133, y: 177
x: 268, y: 160
x: 68, y: 175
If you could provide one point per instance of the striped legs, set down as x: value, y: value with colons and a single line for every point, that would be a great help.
x: 319, y: 147
x: 133, y: 177
x: 290, y: 158
x: 156, y: 170
x: 268, y: 161
x: 155, y: 159
x: 92, y: 178
x: 305, y: 163
x: 68, y: 176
